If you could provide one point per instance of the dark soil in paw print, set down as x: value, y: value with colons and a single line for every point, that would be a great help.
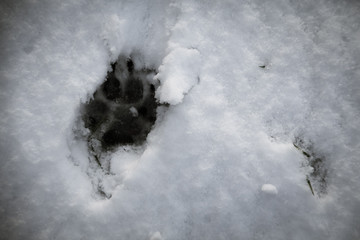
x: 96, y: 112
x: 123, y: 108
x: 133, y: 91
x: 111, y: 87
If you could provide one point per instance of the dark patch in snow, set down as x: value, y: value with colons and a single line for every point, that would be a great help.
x: 123, y: 108
x: 122, y: 111
x: 317, y: 179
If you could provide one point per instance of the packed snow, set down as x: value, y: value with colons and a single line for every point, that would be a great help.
x: 269, y: 189
x: 257, y: 137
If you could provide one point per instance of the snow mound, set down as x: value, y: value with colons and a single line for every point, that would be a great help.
x: 179, y: 72
x: 156, y: 236
x: 269, y: 189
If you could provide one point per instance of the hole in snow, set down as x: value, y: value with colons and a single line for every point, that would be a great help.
x: 123, y: 109
x: 121, y: 112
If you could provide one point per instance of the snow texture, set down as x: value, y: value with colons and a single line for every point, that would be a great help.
x: 258, y: 92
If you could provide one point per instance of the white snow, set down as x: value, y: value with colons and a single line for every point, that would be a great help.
x: 178, y: 74
x: 134, y: 111
x: 229, y: 129
x: 269, y: 188
x: 156, y: 236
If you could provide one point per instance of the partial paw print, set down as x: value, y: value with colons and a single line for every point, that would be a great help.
x: 318, y: 177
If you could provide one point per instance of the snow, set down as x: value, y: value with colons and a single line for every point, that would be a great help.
x: 178, y: 74
x: 134, y: 111
x: 156, y: 236
x: 269, y: 189
x: 228, y: 132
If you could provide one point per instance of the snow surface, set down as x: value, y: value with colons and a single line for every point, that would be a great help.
x: 244, y: 80
x: 269, y: 188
